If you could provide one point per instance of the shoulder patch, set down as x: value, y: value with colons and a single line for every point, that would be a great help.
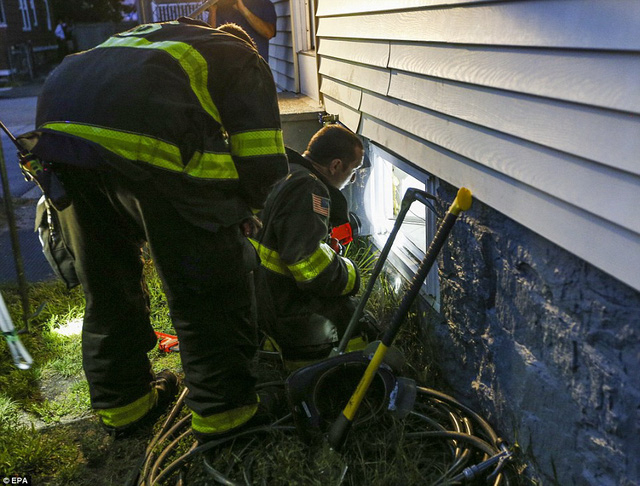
x: 321, y: 205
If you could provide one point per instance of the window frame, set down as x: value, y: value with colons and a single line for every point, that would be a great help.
x: 23, y: 5
x: 48, y: 12
x: 303, y: 18
x: 405, y: 256
x: 35, y: 14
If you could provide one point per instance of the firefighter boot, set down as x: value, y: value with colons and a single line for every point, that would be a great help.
x: 165, y: 388
x: 271, y: 405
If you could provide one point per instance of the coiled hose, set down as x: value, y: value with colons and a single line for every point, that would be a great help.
x: 436, y: 417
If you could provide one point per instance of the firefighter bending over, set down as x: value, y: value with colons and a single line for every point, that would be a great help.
x: 167, y: 134
x: 304, y: 285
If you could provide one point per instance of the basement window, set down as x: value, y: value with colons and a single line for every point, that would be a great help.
x: 389, y: 179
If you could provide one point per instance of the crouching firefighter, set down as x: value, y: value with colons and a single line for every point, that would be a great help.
x: 167, y: 134
x: 305, y: 287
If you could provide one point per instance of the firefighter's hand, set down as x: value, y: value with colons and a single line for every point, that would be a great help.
x: 335, y: 245
x: 251, y: 226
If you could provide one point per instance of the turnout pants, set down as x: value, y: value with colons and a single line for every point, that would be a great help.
x: 206, y: 278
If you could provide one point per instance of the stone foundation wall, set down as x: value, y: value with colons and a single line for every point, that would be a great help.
x: 545, y: 345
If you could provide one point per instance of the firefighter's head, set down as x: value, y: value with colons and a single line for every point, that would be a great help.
x: 239, y: 32
x: 337, y: 153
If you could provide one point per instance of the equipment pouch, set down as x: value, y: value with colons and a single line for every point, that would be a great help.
x: 40, y: 172
x: 53, y: 246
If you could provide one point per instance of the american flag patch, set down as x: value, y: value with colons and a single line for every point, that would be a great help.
x: 320, y: 205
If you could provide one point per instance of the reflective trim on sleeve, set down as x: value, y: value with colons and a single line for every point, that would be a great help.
x: 270, y: 259
x: 134, y: 146
x: 303, y: 271
x: 210, y: 165
x: 221, y: 422
x: 128, y: 414
x: 352, y: 276
x: 257, y: 143
x: 309, y: 268
x: 193, y: 63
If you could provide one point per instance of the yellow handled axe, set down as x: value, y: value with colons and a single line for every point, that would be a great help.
x: 340, y: 428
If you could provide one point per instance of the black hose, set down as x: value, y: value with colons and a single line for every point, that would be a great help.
x: 217, y: 475
x: 143, y: 468
x: 484, y: 425
x: 471, y: 439
x: 462, y: 461
x: 457, y: 413
x: 165, y: 452
x: 171, y: 468
x: 150, y: 458
x: 439, y: 409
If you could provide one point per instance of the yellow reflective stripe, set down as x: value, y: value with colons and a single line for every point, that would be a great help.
x: 270, y: 259
x: 309, y: 268
x: 132, y: 146
x: 256, y: 143
x: 128, y: 414
x: 210, y: 165
x: 303, y: 271
x: 221, y: 422
x: 352, y: 276
x: 193, y: 63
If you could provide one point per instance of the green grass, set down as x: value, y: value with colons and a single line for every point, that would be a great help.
x: 46, y: 425
x: 65, y: 351
x: 47, y: 428
x: 25, y: 450
x: 9, y: 409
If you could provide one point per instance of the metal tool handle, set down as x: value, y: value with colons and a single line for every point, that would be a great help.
x: 410, y: 196
x: 21, y: 357
x: 340, y: 428
x: 12, y: 138
x: 202, y: 8
x: 13, y: 231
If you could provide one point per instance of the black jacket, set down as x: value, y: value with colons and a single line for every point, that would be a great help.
x: 190, y: 108
x: 298, y: 263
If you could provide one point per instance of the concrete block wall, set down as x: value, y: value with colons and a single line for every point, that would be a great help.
x: 543, y: 344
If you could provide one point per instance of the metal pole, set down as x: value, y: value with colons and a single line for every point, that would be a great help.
x: 15, y: 242
x: 144, y: 11
x: 340, y: 428
x: 411, y: 195
x: 205, y: 5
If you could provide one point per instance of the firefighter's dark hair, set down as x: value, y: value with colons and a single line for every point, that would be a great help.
x: 333, y: 142
x: 236, y: 30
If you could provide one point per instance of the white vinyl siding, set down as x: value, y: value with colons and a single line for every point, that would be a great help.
x: 534, y: 105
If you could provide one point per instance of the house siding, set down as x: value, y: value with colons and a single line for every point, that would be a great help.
x: 535, y: 106
x: 281, y: 48
x: 576, y: 114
